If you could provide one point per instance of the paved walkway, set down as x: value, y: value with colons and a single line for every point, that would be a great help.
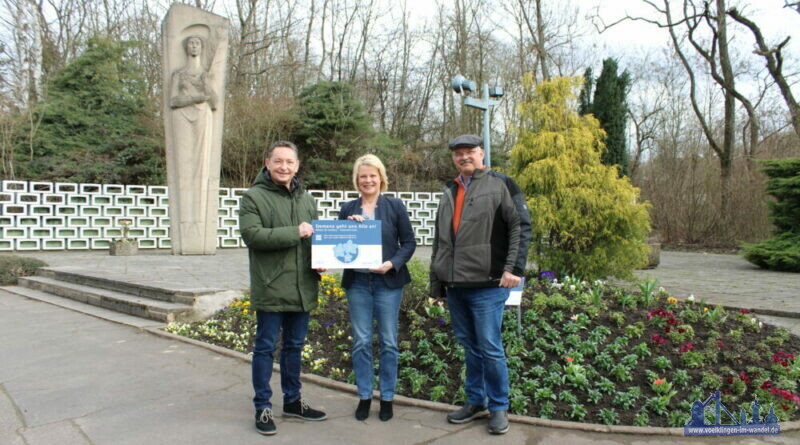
x: 728, y: 280
x: 69, y: 378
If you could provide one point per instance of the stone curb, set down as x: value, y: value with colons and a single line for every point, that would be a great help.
x: 409, y: 401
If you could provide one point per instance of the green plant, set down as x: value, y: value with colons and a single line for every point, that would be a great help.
x: 13, y: 267
x: 622, y: 373
x: 518, y: 401
x: 680, y: 377
x: 677, y: 418
x: 617, y: 317
x: 626, y: 300
x: 642, y: 350
x: 627, y: 400
x: 605, y: 385
x: 647, y: 288
x: 641, y: 418
x: 604, y: 361
x: 438, y: 392
x: 658, y: 404
x: 735, y: 334
x: 710, y: 380
x: 635, y: 330
x: 689, y: 315
x: 693, y: 359
x: 681, y: 334
x: 547, y: 410
x: 543, y: 394
x: 577, y: 411
x: 662, y: 363
x: 567, y: 396
x: 608, y: 416
x: 593, y: 396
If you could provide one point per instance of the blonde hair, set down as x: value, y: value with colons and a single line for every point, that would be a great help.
x: 371, y: 161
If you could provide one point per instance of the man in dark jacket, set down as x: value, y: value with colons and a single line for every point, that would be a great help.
x: 483, y: 231
x: 275, y: 217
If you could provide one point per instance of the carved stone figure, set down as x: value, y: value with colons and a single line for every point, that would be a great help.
x: 195, y: 49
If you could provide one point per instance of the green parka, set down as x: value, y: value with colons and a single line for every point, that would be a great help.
x: 281, y: 278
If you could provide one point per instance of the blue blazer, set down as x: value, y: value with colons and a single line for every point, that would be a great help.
x: 397, y: 239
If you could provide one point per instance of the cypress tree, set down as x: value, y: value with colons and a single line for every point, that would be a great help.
x: 610, y: 108
x: 585, y: 96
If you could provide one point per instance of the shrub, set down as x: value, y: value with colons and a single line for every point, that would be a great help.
x: 586, y: 215
x: 783, y: 251
x: 13, y: 267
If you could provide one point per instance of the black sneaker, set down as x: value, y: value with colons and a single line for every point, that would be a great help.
x: 264, y: 423
x: 467, y: 413
x: 301, y: 409
x: 386, y: 411
x: 498, y: 422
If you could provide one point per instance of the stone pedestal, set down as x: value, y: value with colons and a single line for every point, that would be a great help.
x: 195, y: 48
x: 653, y: 255
x: 123, y: 247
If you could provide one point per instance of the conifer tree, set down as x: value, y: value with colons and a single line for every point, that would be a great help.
x: 610, y: 108
x: 96, y: 124
x: 781, y: 252
x: 585, y: 96
x: 585, y: 216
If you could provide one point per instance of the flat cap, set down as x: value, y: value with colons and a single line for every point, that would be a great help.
x: 466, y: 140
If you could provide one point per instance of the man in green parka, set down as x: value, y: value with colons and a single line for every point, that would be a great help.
x: 275, y: 221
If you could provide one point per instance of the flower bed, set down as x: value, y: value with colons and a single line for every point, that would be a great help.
x: 587, y: 352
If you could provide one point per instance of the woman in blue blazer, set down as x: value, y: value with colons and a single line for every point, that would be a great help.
x: 376, y: 293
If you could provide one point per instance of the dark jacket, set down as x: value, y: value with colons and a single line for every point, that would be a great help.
x: 397, y: 239
x: 281, y: 278
x: 493, y: 235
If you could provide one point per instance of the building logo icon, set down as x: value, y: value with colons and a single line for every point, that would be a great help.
x: 697, y: 425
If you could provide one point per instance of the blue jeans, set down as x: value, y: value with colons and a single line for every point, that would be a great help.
x: 368, y: 299
x: 295, y: 325
x: 477, y: 316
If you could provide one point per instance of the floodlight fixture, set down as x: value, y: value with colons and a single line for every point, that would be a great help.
x: 460, y: 84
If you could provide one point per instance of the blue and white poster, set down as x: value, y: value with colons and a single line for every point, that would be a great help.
x: 344, y: 244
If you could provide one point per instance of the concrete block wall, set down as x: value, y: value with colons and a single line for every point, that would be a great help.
x: 69, y: 216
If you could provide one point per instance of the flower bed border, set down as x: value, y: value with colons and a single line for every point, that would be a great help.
x: 443, y: 407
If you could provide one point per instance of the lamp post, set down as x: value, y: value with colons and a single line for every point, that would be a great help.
x: 463, y: 86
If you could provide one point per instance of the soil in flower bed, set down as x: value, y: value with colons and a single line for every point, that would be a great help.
x: 586, y: 352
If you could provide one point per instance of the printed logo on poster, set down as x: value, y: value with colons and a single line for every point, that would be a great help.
x: 699, y: 426
x: 344, y: 244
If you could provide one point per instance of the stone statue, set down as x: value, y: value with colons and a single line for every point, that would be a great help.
x: 195, y: 51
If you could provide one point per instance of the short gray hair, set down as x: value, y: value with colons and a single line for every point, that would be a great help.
x: 278, y: 144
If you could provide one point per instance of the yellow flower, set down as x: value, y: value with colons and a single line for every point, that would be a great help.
x: 245, y: 312
x: 672, y: 300
x: 705, y: 309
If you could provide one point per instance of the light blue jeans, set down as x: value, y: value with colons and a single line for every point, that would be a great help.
x: 369, y: 299
x: 477, y: 316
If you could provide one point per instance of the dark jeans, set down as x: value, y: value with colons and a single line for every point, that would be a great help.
x: 295, y: 325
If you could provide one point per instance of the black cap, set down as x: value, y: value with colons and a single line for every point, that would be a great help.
x: 466, y: 140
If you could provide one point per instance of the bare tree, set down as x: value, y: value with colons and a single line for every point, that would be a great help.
x: 773, y: 56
